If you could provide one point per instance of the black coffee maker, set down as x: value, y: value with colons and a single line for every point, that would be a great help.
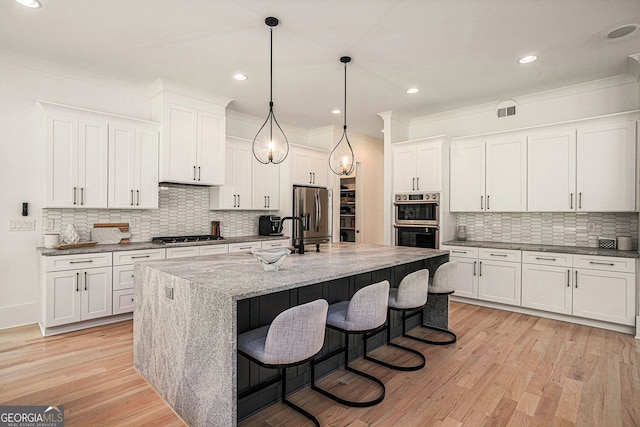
x: 269, y: 225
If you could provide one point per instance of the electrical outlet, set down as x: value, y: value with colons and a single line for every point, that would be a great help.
x: 488, y: 223
x: 591, y: 227
x: 22, y: 225
x: 168, y: 292
x: 133, y: 222
x: 50, y: 224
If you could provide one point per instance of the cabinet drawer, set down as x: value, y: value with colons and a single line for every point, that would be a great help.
x: 182, y: 252
x: 243, y: 247
x: 547, y: 258
x: 71, y: 262
x: 129, y: 257
x: 273, y: 244
x: 461, y: 251
x: 500, y: 254
x: 627, y: 265
x: 214, y: 249
x: 123, y: 301
x: 122, y: 277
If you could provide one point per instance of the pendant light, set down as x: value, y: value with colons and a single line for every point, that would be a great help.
x: 270, y: 144
x: 341, y: 159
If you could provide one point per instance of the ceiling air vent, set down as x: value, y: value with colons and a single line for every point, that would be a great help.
x: 506, y: 109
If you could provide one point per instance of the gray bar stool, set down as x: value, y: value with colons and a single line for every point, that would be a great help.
x: 294, y: 337
x: 365, y: 312
x: 410, y: 295
x: 444, y: 283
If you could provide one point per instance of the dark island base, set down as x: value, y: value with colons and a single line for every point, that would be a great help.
x: 260, y: 311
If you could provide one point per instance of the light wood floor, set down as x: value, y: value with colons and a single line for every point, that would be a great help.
x: 505, y: 369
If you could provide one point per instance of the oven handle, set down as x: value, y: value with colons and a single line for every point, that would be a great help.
x: 416, y: 226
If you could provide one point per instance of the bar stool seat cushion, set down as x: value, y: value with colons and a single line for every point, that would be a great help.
x: 366, y: 310
x: 412, y: 291
x: 294, y: 335
x: 444, y: 279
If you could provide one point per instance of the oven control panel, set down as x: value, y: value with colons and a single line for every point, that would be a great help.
x: 418, y: 198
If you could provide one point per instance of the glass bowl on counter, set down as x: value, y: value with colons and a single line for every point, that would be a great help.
x: 271, y: 259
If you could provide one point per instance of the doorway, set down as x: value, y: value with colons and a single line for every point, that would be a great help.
x: 350, y: 206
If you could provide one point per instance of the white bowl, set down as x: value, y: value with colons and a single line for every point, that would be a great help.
x: 271, y: 259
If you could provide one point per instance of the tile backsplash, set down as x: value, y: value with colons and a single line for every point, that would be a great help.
x: 182, y: 210
x: 566, y: 229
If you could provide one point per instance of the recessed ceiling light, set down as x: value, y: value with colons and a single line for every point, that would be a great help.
x: 623, y: 31
x: 240, y: 76
x: 336, y: 111
x: 527, y: 59
x: 30, y: 3
x: 413, y: 90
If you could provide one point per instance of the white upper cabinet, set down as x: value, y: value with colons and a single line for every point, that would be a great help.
x: 606, y: 162
x: 506, y: 173
x: 417, y: 166
x: 209, y: 143
x: 467, y: 176
x: 265, y: 186
x: 309, y: 166
x: 236, y: 192
x: 133, y: 166
x: 552, y: 170
x: 76, y: 159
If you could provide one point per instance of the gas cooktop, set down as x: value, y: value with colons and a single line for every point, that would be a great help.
x: 186, y: 239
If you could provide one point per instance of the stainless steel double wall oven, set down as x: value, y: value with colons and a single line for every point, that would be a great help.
x: 417, y: 220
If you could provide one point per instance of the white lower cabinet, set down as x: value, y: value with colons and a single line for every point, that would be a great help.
x: 123, y: 266
x: 75, y: 290
x: 274, y: 244
x: 499, y: 276
x: 244, y: 247
x: 190, y: 251
x: 467, y: 280
x: 546, y: 281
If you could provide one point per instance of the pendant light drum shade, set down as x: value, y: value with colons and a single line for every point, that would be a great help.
x: 341, y: 158
x: 270, y: 145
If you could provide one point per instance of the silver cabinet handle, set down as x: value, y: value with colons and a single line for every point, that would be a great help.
x: 413, y: 183
x: 194, y: 173
x: 198, y: 173
x: 545, y: 259
x: 418, y: 183
x: 314, y: 177
x: 569, y: 278
x: 480, y: 269
x: 502, y: 255
x: 80, y: 262
x: 77, y: 282
x: 602, y: 263
x: 487, y: 202
x: 81, y: 196
x: 310, y: 179
x: 571, y: 201
x: 474, y: 267
x: 579, y: 200
x: 576, y: 279
x: 75, y: 192
x: 131, y: 197
x: 238, y: 200
x: 137, y: 197
x: 458, y: 252
x: 481, y: 200
x: 268, y: 201
x: 85, y: 280
x: 234, y: 201
x: 246, y: 247
x: 139, y: 256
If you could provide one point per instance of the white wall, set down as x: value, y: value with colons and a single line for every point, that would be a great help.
x: 22, y: 84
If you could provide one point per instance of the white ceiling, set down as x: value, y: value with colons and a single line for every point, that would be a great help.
x: 458, y: 52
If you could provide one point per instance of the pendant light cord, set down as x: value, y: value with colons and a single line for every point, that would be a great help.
x: 345, y: 96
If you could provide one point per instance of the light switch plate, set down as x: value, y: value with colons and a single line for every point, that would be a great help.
x: 22, y: 225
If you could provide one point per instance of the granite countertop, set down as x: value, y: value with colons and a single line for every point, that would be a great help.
x: 576, y: 250
x: 241, y: 275
x: 150, y: 245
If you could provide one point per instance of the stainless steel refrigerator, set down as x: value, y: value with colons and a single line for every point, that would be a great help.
x: 313, y: 204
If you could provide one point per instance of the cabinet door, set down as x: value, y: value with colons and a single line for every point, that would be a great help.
x: 318, y: 165
x: 122, y: 301
x: 404, y: 168
x: 500, y: 281
x: 551, y: 171
x: 61, y: 168
x: 506, y: 174
x: 467, y: 280
x: 96, y: 293
x: 301, y: 166
x: 605, y: 295
x: 547, y: 287
x: 122, y: 277
x: 243, y: 157
x: 93, y: 154
x: 210, y: 149
x: 606, y: 159
x: 265, y: 188
x: 62, y: 297
x: 122, y: 159
x: 179, y: 144
x: 467, y: 176
x: 146, y: 169
x: 428, y: 167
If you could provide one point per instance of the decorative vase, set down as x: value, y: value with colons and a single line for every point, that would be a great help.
x: 69, y: 235
x: 462, y: 232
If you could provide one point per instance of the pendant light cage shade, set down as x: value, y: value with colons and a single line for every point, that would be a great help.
x: 341, y: 158
x: 270, y: 145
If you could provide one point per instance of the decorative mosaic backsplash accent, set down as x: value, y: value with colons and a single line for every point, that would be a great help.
x: 182, y: 210
x: 566, y: 229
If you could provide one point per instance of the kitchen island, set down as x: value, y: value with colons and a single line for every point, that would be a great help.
x: 188, y: 313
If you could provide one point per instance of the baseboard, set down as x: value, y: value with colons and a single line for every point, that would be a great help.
x: 19, y: 315
x: 62, y: 329
x: 555, y: 316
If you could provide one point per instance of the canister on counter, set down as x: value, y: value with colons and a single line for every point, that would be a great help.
x: 624, y: 243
